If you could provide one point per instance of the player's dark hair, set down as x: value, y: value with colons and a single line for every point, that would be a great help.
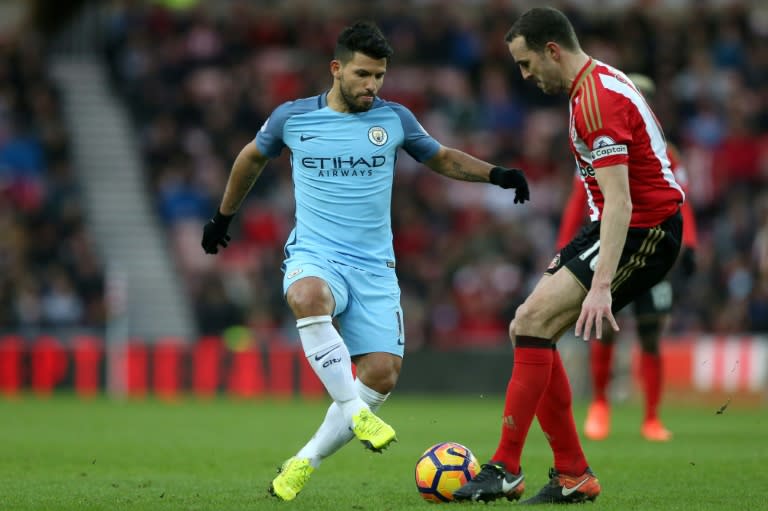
x: 541, y: 25
x: 363, y: 37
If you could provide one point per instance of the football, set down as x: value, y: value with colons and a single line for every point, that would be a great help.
x: 443, y: 469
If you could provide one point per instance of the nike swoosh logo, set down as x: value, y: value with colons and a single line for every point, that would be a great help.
x: 321, y: 356
x: 507, y: 487
x: 304, y: 138
x: 567, y: 491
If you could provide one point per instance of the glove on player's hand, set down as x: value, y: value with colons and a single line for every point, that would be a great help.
x: 511, y: 178
x: 215, y: 233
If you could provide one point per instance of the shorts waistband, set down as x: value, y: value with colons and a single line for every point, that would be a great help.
x: 674, y: 217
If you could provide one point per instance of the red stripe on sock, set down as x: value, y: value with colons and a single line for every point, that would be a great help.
x: 530, y: 376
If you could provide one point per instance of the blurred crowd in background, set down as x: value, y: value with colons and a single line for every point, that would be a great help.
x: 50, y: 274
x: 199, y: 82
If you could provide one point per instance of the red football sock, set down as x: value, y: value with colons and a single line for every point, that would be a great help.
x: 650, y: 374
x: 556, y: 418
x: 601, y: 359
x: 530, y: 376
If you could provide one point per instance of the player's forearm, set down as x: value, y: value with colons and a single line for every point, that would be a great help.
x: 614, y: 225
x: 459, y: 165
x: 245, y: 171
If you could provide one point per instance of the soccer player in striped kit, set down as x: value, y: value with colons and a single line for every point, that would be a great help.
x: 651, y: 309
x: 633, y: 240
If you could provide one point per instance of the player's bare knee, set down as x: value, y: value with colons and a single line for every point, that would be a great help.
x: 526, y: 319
x: 309, y: 297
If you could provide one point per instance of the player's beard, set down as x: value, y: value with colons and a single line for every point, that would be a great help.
x: 351, y: 101
x: 551, y: 88
x: 552, y: 85
x: 558, y: 87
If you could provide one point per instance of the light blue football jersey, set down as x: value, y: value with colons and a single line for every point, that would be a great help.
x: 343, y: 167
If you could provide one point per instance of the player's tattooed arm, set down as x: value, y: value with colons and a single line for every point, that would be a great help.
x: 459, y: 165
x: 459, y: 171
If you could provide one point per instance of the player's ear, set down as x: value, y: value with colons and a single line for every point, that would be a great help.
x: 553, y: 51
x: 336, y: 69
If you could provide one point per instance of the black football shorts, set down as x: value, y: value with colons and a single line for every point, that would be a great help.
x: 648, y: 255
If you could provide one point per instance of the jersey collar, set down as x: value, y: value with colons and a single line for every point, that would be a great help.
x: 581, y: 75
x: 322, y: 100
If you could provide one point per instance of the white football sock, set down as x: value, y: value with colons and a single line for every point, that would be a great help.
x: 335, y: 432
x: 328, y: 355
x: 373, y: 399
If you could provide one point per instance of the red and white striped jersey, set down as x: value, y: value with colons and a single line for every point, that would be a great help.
x: 576, y: 211
x: 612, y: 124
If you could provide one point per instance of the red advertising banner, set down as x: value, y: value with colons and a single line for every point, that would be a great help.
x: 170, y: 368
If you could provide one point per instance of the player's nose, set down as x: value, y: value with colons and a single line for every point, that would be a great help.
x: 371, y: 84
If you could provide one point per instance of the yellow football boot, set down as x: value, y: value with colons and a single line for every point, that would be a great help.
x: 292, y: 477
x: 374, y: 433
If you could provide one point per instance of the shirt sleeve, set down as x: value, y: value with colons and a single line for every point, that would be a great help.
x: 417, y: 142
x: 606, y: 127
x: 269, y: 139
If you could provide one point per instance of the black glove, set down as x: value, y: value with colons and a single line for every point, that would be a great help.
x: 215, y: 233
x: 511, y: 178
x: 688, y: 262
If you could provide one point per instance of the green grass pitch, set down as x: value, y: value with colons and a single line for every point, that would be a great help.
x: 66, y: 454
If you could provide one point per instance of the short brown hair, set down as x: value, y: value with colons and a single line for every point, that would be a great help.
x: 541, y: 25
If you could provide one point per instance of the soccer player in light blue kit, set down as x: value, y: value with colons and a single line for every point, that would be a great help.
x: 340, y: 261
